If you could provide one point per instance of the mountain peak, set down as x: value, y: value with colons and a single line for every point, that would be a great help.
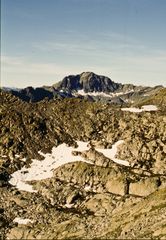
x: 87, y: 81
x: 87, y: 74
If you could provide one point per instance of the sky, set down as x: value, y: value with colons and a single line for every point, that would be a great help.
x: 42, y: 41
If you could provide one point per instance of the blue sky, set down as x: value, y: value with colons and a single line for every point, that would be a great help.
x: 45, y: 40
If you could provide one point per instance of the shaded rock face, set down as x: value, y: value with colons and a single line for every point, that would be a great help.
x: 33, y: 94
x: 4, y: 177
x: 89, y: 82
x: 69, y: 83
x: 100, y: 199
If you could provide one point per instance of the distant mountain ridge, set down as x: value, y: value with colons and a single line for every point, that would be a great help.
x: 87, y: 85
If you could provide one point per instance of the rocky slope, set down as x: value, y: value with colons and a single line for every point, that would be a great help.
x: 158, y: 98
x: 94, y: 198
x: 128, y: 219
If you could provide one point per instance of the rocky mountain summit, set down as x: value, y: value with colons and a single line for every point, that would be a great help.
x: 87, y: 85
x: 71, y: 168
x: 89, y: 82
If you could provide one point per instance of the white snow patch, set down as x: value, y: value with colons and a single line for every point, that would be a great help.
x: 132, y: 109
x: 102, y: 94
x: 111, y: 153
x: 44, y: 169
x: 145, y: 108
x: 60, y: 155
x: 22, y: 221
x: 149, y: 108
x: 122, y: 93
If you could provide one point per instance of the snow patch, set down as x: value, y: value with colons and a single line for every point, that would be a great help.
x: 111, y: 153
x: 94, y: 94
x: 122, y: 93
x: 136, y: 110
x: 60, y: 155
x: 145, y: 108
x: 149, y: 108
x: 44, y: 169
x: 22, y: 221
x: 102, y: 94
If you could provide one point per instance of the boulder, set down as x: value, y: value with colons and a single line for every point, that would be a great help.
x: 116, y: 186
x: 144, y: 187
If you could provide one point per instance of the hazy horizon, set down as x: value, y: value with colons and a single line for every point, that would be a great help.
x: 36, y: 86
x: 44, y: 41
